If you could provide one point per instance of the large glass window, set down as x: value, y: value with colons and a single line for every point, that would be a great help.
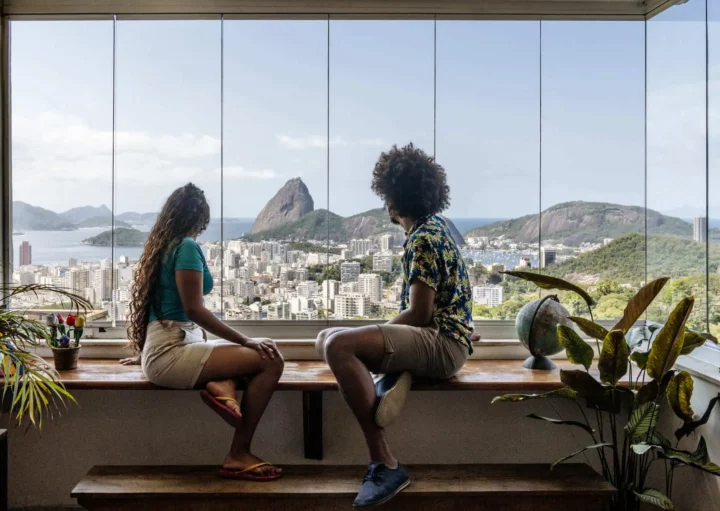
x: 62, y: 85
x: 488, y: 107
x: 593, y: 168
x: 381, y: 94
x: 676, y: 181
x: 275, y: 169
x: 574, y: 147
x: 167, y: 133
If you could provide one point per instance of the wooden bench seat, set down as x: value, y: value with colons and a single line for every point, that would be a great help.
x: 330, y: 488
x: 311, y: 375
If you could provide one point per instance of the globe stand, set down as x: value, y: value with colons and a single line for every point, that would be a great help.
x: 539, y: 362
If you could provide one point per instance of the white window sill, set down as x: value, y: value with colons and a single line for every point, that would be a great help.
x: 704, y: 363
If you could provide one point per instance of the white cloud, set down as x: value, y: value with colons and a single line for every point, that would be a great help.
x: 320, y: 142
x: 239, y: 172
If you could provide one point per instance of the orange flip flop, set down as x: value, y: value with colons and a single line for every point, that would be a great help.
x: 246, y: 475
x: 216, y: 403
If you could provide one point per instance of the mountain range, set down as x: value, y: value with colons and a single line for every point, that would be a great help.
x: 574, y: 223
x: 27, y: 217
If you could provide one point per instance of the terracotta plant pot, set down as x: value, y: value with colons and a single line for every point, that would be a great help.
x: 66, y: 358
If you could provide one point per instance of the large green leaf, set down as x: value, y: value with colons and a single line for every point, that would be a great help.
x: 655, y: 498
x: 592, y: 330
x: 638, y: 303
x: 578, y: 351
x: 679, y: 393
x: 565, y: 458
x: 651, y: 390
x: 614, y: 355
x: 589, y: 388
x: 692, y: 341
x: 689, y: 427
x: 640, y: 358
x: 642, y: 420
x: 564, y: 393
x: 698, y: 459
x: 562, y: 422
x: 669, y: 340
x: 547, y: 282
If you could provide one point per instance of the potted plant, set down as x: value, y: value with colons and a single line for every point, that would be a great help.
x: 64, y: 339
x: 31, y: 388
x: 636, y: 381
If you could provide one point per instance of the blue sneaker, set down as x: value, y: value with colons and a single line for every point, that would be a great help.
x: 391, y: 391
x: 381, y: 484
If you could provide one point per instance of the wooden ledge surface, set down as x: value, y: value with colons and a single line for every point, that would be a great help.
x: 311, y: 375
x: 124, y: 482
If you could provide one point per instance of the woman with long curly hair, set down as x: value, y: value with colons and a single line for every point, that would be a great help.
x: 168, y: 324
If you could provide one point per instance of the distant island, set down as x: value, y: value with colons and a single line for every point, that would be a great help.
x: 124, y: 237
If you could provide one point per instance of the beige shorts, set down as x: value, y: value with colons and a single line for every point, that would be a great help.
x: 421, y: 351
x: 174, y: 354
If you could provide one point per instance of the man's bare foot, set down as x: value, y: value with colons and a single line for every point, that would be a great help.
x: 225, y: 388
x: 242, y: 461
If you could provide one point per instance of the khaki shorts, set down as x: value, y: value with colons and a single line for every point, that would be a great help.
x: 174, y: 354
x: 422, y: 351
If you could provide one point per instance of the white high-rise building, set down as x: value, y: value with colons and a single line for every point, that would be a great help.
x: 104, y: 283
x: 78, y: 280
x: 383, y: 261
x: 360, y: 247
x: 700, y: 229
x: 387, y: 242
x: 245, y: 289
x: 371, y: 285
x: 349, y: 287
x: 349, y: 271
x: 307, y: 288
x: 548, y: 256
x: 492, y: 296
x: 330, y: 289
x: 280, y: 310
x: 351, y: 305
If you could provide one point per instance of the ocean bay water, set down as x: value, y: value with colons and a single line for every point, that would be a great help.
x: 57, y: 247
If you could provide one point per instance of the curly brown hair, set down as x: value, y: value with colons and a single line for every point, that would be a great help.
x: 185, y: 214
x: 411, y: 183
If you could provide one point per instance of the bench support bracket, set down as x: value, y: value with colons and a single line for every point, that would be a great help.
x: 313, y: 424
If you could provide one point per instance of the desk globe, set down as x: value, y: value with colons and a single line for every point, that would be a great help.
x: 536, y: 326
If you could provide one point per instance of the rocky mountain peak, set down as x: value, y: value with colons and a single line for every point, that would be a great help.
x: 289, y: 204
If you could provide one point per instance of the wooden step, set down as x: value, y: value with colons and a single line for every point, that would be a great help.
x: 331, y: 487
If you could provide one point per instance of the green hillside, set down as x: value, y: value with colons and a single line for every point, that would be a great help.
x: 623, y: 260
x: 314, y: 225
x: 124, y: 237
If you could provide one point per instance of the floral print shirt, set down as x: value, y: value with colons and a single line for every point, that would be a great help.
x: 432, y: 257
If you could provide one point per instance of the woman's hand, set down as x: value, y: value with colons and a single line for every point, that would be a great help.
x: 131, y: 361
x: 266, y: 347
x: 474, y: 336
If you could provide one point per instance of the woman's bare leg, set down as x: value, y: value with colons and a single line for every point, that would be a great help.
x: 233, y: 362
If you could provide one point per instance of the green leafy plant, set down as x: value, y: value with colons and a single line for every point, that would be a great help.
x: 30, y: 387
x: 616, y: 396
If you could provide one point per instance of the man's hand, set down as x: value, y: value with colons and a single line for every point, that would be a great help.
x: 131, y: 361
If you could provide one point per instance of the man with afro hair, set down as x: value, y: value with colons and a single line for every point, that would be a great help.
x: 429, y: 338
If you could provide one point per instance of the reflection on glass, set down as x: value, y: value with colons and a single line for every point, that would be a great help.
x: 275, y: 170
x: 62, y: 160
x: 488, y: 92
x: 677, y: 224
x: 381, y: 94
x: 168, y: 131
x: 593, y: 176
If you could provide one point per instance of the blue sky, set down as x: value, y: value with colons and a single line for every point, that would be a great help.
x: 381, y: 92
